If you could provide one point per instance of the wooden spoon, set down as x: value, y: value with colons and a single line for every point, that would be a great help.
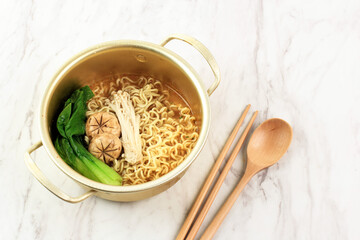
x: 267, y: 145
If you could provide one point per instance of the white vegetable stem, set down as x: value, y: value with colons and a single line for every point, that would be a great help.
x: 130, y: 124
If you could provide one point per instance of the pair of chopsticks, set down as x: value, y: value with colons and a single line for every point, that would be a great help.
x: 190, y: 227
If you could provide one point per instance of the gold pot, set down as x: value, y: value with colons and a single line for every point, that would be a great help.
x: 133, y: 57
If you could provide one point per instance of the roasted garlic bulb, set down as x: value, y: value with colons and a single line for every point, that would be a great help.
x: 106, y: 147
x: 102, y: 122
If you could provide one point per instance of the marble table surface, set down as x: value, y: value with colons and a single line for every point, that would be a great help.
x: 296, y: 60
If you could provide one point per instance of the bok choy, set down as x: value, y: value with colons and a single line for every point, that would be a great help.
x: 69, y: 145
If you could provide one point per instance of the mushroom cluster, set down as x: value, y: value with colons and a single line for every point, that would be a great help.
x: 103, y: 130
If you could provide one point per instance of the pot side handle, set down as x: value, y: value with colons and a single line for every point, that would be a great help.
x: 34, y: 169
x: 204, y: 52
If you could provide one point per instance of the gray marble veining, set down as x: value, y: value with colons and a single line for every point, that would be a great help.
x: 297, y: 60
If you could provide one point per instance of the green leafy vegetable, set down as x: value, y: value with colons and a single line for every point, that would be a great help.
x: 60, y: 150
x: 63, y: 119
x: 71, y: 127
x: 76, y: 124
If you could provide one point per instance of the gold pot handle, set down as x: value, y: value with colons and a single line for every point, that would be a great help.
x: 204, y: 52
x: 34, y: 169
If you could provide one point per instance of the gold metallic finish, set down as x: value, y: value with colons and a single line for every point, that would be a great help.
x: 124, y: 57
x: 204, y: 51
x: 34, y: 169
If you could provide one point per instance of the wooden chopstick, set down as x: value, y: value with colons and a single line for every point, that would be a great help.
x: 195, y: 228
x: 200, y: 198
x: 225, y: 209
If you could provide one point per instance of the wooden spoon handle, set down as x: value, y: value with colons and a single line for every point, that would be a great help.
x: 220, y: 216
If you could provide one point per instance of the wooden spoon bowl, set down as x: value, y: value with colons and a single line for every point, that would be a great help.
x: 267, y: 145
x: 269, y: 142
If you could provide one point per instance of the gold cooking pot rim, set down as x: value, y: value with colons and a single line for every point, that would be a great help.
x: 96, y: 186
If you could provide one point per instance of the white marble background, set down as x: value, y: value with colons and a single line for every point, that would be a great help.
x: 298, y: 60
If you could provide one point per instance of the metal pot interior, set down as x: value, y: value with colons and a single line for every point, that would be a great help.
x: 124, y: 57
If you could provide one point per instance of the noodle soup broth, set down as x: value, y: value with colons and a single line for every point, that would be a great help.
x: 168, y: 128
